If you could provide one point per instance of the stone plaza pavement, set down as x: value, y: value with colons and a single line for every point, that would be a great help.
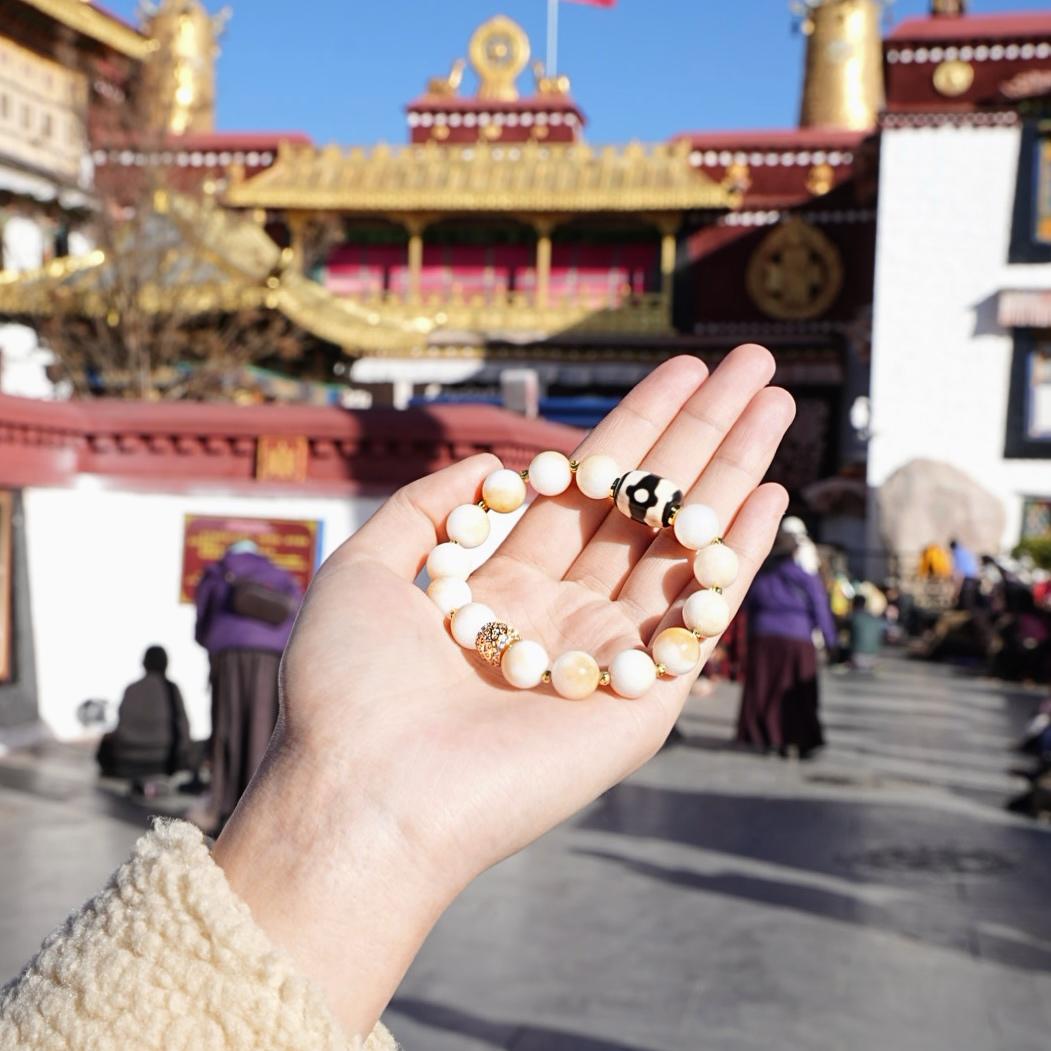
x: 876, y: 898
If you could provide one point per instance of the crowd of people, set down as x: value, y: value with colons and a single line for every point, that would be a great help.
x: 989, y: 613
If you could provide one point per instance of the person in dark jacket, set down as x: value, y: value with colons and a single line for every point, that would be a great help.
x: 245, y: 609
x: 152, y: 736
x: 785, y: 607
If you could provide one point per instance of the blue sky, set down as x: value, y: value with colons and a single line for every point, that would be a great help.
x: 342, y: 70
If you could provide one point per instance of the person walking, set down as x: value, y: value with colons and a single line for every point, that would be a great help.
x: 785, y: 608
x: 152, y: 735
x: 245, y: 609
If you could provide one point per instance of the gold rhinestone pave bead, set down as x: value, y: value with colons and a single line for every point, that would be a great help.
x: 493, y: 639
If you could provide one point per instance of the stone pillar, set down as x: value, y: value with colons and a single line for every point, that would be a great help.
x: 543, y: 262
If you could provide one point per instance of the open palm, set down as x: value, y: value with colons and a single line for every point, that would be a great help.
x: 468, y: 767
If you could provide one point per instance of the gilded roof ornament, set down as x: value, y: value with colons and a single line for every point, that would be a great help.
x: 499, y: 51
x: 449, y: 85
x: 843, y: 84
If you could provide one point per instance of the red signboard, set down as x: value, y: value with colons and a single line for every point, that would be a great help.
x: 291, y: 544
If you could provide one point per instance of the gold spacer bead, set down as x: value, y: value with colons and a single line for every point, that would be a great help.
x: 676, y: 508
x: 573, y: 465
x: 661, y: 670
x: 604, y: 679
x: 493, y: 639
x: 546, y: 677
x: 717, y: 590
x: 718, y: 540
x: 483, y: 505
x: 524, y: 474
x: 697, y: 635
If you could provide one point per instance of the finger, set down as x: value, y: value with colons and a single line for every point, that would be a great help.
x: 401, y: 534
x: 737, y: 467
x: 751, y: 536
x: 680, y: 454
x: 553, y: 531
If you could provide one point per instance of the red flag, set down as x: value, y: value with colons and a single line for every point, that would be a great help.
x: 595, y: 3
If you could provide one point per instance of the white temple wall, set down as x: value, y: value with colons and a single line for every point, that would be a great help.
x: 941, y: 363
x: 104, y: 572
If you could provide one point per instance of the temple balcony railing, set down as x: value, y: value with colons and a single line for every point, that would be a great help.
x: 497, y: 311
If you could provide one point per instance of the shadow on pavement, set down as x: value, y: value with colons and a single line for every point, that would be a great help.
x: 947, y: 876
x: 509, y: 1036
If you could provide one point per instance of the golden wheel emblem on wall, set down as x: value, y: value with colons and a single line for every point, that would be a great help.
x: 953, y: 78
x: 795, y: 273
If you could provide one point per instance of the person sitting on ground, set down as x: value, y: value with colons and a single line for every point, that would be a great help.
x: 152, y: 735
x: 403, y: 767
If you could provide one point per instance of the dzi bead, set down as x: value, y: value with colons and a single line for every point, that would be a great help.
x: 647, y: 498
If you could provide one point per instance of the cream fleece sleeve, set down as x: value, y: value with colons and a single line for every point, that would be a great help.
x: 167, y: 958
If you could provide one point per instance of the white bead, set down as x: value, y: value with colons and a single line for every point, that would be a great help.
x: 470, y: 620
x: 449, y: 593
x: 715, y: 566
x: 707, y: 613
x: 448, y: 560
x: 467, y: 525
x: 504, y: 490
x: 632, y: 673
x: 550, y: 473
x: 696, y: 526
x: 524, y: 663
x: 596, y: 475
x: 575, y: 675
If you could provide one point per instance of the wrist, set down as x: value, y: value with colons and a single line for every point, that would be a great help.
x: 333, y: 879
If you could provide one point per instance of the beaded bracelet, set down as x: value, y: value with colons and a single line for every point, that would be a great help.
x: 639, y: 495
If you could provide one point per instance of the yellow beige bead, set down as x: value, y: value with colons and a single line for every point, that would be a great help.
x: 677, y: 649
x: 504, y: 491
x: 575, y: 675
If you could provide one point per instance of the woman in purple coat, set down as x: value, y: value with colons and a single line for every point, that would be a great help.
x: 245, y: 609
x: 785, y: 606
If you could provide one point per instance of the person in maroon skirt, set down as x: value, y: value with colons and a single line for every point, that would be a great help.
x: 245, y: 609
x: 785, y: 607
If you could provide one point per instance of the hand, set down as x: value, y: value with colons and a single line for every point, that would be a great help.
x: 404, y: 766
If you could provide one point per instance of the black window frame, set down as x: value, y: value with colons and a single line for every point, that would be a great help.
x: 1024, y: 247
x: 1019, y: 444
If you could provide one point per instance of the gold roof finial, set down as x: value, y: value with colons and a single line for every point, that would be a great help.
x: 181, y: 71
x: 843, y: 85
x: 499, y: 52
x: 948, y: 7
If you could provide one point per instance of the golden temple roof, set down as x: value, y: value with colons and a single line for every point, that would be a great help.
x: 88, y: 20
x: 530, y: 177
x: 232, y: 264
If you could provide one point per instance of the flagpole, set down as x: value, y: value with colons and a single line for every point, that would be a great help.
x: 552, y: 38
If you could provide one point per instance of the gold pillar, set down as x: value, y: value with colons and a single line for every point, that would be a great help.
x: 543, y: 264
x: 668, y: 254
x: 297, y: 233
x: 415, y: 261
